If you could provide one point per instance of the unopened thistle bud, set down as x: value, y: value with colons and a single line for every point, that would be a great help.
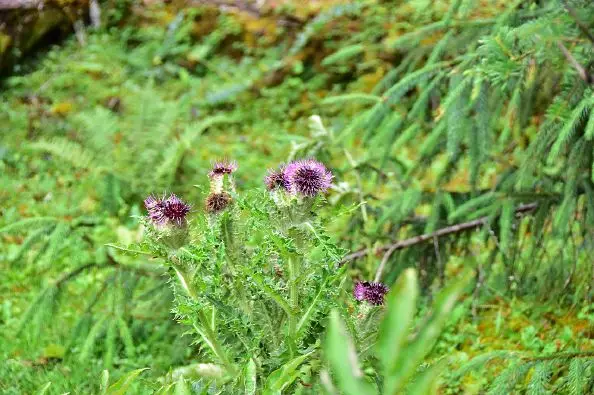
x: 222, y: 167
x: 217, y: 175
x: 370, y: 292
x: 217, y: 202
x: 308, y: 177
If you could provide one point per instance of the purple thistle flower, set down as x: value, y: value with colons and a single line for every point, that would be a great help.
x: 308, y: 177
x: 276, y: 179
x: 370, y: 292
x: 222, y: 167
x: 162, y: 211
x: 216, y: 202
x: 175, y: 209
x: 359, y: 291
x: 155, y: 208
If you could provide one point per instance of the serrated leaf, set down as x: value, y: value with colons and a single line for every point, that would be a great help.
x: 342, y: 357
x: 413, y: 354
x: 121, y: 386
x: 398, y: 319
x: 284, y: 376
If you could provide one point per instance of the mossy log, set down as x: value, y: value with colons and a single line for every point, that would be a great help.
x: 26, y: 25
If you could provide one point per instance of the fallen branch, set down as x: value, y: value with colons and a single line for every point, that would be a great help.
x: 458, y: 228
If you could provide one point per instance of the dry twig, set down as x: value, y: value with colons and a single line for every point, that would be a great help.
x: 453, y: 229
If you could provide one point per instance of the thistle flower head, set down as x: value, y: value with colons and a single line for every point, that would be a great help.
x: 222, y: 167
x: 308, y: 177
x: 370, y: 292
x: 216, y: 202
x: 161, y: 211
x: 175, y: 209
x: 276, y: 179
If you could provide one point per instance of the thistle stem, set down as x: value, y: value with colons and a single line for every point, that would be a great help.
x: 210, y: 339
x: 294, y: 301
x: 206, y: 332
x: 231, y: 254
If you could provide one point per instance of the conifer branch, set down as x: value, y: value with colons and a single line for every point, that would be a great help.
x: 70, y: 275
x: 578, y: 22
x: 571, y: 355
x: 453, y: 229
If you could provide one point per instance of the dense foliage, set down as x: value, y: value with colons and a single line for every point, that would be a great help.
x: 459, y: 134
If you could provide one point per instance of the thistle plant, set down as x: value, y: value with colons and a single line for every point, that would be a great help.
x: 254, y: 275
x: 395, y: 356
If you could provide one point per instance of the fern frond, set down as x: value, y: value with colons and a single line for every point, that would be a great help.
x: 28, y: 223
x: 68, y: 151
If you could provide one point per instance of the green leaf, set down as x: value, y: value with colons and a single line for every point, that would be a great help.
x: 104, y: 381
x: 505, y: 225
x: 284, y: 376
x: 121, y: 386
x: 589, y: 131
x: 342, y: 356
x: 181, y: 387
x: 43, y: 389
x: 426, y: 382
x: 414, y: 354
x: 398, y: 319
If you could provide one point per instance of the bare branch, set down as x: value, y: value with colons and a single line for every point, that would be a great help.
x: 580, y: 69
x: 458, y: 228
